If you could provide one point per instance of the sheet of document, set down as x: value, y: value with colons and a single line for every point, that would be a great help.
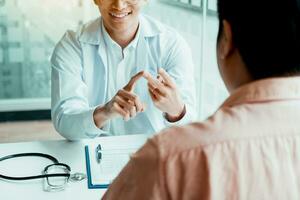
x: 115, y: 155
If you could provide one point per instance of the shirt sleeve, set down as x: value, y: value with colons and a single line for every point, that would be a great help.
x: 141, y: 178
x: 178, y: 62
x: 71, y: 113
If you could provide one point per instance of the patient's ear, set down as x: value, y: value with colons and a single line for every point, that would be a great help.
x: 226, y: 46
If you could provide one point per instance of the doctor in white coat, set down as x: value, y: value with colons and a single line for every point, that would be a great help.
x: 123, y: 73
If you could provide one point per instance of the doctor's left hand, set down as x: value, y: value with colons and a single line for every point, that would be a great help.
x: 165, y: 95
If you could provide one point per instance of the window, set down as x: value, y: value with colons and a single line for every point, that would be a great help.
x: 24, y: 53
x: 29, y: 31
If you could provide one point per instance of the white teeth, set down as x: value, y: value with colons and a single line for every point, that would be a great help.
x: 119, y: 15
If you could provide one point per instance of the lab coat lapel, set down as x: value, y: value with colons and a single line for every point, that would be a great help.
x: 103, y: 55
x: 95, y: 59
x: 104, y: 65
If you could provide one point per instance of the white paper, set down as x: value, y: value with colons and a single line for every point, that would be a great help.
x: 115, y: 155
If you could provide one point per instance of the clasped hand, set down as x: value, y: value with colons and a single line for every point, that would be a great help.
x: 163, y: 92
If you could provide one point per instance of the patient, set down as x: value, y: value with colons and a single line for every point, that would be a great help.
x: 250, y: 148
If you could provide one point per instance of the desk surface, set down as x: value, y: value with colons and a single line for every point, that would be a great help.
x: 71, y: 153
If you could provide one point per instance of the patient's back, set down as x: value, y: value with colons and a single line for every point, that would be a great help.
x: 249, y: 149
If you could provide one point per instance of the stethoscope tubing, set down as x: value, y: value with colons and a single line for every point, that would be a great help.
x: 54, y: 160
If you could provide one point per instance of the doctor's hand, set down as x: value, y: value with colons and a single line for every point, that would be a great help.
x: 125, y: 102
x: 165, y: 95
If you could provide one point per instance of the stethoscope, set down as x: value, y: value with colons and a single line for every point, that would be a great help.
x: 66, y: 169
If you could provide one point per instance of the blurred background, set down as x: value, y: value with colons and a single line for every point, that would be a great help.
x: 30, y: 29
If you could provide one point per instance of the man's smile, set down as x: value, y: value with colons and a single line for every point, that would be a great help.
x: 119, y: 15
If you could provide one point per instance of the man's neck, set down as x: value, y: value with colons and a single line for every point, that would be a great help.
x: 125, y: 37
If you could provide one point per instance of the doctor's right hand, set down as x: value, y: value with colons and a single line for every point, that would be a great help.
x: 125, y: 103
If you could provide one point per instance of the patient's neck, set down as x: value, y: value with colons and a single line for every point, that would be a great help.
x: 237, y: 72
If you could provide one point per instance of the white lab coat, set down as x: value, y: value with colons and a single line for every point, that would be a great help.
x: 80, y: 78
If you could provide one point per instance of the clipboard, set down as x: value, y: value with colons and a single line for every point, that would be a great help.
x: 91, y: 185
x: 115, y: 155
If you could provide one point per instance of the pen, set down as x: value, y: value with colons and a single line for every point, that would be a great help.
x: 98, y: 153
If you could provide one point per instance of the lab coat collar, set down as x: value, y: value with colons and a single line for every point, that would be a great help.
x: 91, y: 33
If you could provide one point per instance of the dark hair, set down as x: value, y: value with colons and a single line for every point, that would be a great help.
x: 266, y: 33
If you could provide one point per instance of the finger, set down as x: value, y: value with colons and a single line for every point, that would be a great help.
x: 161, y: 91
x: 151, y: 87
x: 119, y: 110
x: 131, y: 84
x: 160, y: 79
x: 153, y: 81
x: 166, y: 77
x: 132, y: 112
x: 132, y: 99
x: 153, y: 97
x: 157, y: 84
x: 123, y: 103
x: 156, y: 94
x: 127, y: 95
x: 138, y: 104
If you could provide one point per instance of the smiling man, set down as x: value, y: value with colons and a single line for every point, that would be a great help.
x: 122, y: 73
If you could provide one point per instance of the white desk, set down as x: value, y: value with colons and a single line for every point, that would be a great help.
x: 71, y: 153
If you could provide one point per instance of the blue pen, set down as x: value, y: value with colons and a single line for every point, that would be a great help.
x: 98, y: 154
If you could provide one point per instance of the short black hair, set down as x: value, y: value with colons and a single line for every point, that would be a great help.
x: 266, y: 33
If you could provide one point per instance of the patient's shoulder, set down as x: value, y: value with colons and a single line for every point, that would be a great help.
x: 177, y: 139
x: 219, y: 128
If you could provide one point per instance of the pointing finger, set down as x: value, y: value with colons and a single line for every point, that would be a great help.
x: 131, y: 84
x: 152, y: 81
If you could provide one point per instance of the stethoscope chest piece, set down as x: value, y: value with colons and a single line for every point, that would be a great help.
x: 77, y: 177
